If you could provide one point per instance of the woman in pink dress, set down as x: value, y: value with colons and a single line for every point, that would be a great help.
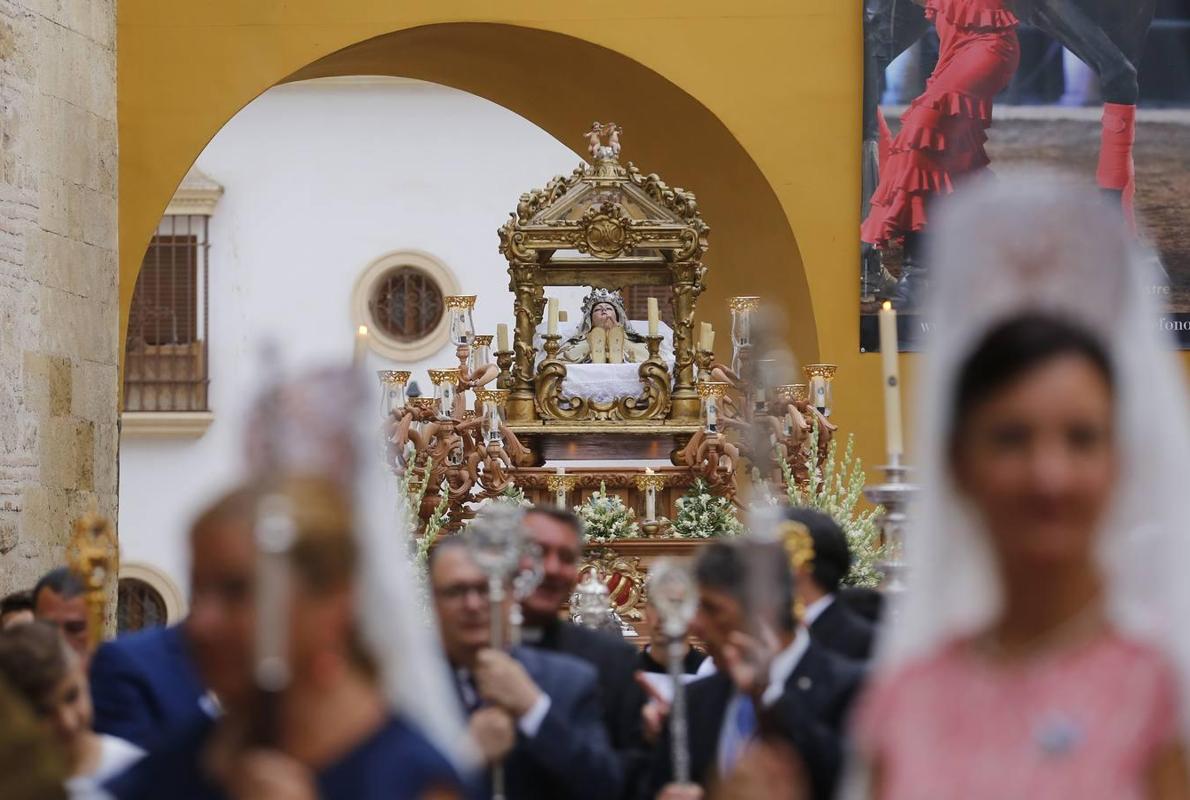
x: 1040, y: 651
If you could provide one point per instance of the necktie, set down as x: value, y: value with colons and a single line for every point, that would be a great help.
x: 741, y: 731
x: 467, y: 693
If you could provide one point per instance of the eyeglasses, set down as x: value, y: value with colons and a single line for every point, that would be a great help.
x: 459, y: 591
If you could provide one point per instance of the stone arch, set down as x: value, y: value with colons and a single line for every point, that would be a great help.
x: 560, y: 82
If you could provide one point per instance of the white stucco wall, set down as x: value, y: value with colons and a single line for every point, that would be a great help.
x: 320, y: 179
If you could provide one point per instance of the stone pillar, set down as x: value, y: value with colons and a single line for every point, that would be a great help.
x: 59, y: 310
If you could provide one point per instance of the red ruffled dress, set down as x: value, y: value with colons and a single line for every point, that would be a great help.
x: 943, y: 131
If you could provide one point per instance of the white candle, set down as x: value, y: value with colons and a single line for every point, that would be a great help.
x: 654, y: 316
x: 710, y: 345
x: 560, y: 499
x: 704, y: 336
x: 502, y: 337
x: 361, y: 344
x: 650, y: 499
x: 552, y: 329
x: 892, y: 383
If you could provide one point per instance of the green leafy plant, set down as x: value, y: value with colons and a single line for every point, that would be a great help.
x: 835, y: 489
x: 432, y: 530
x: 606, y: 518
x: 702, y: 515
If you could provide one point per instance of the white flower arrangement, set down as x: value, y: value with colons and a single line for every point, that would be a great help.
x: 835, y: 490
x: 606, y: 518
x: 513, y: 496
x: 702, y: 515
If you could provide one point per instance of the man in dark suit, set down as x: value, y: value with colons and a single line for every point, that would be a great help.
x: 559, y: 535
x: 536, y: 713
x: 832, y: 623
x: 145, y: 687
x: 773, y: 682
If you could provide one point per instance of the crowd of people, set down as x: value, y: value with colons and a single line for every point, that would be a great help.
x: 1038, y: 652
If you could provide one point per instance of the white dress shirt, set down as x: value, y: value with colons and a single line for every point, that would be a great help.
x: 781, y: 667
x: 815, y: 609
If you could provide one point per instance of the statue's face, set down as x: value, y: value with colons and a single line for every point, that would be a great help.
x: 603, y: 315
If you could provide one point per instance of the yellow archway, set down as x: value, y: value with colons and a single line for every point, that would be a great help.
x: 753, y: 105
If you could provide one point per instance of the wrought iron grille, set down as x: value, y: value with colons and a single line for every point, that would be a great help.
x: 165, y: 361
x: 407, y: 304
x: 138, y: 606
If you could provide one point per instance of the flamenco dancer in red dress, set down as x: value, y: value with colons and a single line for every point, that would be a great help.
x: 943, y: 131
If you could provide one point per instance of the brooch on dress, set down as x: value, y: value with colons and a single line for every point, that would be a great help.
x: 1058, y: 734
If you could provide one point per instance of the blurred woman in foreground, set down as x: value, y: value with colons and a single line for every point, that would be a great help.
x: 1040, y: 651
x: 304, y: 625
x: 329, y: 733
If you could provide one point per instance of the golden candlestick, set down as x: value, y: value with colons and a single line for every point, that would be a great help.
x: 93, y: 556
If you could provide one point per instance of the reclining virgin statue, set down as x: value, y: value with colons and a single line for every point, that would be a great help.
x: 606, y: 335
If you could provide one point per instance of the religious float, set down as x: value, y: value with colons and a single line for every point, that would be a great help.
x: 678, y: 436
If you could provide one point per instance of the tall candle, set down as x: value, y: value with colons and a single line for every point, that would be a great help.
x: 892, y: 383
x: 704, y: 335
x: 560, y: 496
x: 552, y: 328
x: 502, y: 337
x: 710, y: 345
x: 650, y: 499
x: 654, y: 317
x: 361, y: 344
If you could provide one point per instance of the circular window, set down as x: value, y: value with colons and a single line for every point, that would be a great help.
x: 139, y: 606
x: 406, y: 304
x: 401, y: 298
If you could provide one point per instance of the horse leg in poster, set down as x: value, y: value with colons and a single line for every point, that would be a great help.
x: 1072, y: 24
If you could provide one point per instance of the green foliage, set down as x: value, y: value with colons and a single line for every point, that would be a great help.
x: 606, y: 518
x: 433, y: 529
x: 836, y: 490
x: 702, y: 515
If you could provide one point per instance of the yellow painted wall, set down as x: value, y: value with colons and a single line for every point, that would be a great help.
x: 752, y: 104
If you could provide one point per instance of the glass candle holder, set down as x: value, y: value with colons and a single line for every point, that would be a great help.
x: 481, y: 352
x: 462, y: 327
x: 742, y: 309
x: 820, y: 377
x: 446, y: 382
x: 492, y: 403
x: 786, y: 395
x: 392, y: 390
x: 712, y: 394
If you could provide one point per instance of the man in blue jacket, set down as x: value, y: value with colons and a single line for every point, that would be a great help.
x: 145, y: 687
x: 536, y: 713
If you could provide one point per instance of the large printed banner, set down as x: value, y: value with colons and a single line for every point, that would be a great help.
x: 956, y: 86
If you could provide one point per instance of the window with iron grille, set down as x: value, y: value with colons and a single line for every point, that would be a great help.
x: 165, y: 363
x: 138, y: 606
x: 406, y: 303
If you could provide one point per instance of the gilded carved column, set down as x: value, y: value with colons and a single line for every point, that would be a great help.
x: 686, y: 288
x: 529, y: 305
